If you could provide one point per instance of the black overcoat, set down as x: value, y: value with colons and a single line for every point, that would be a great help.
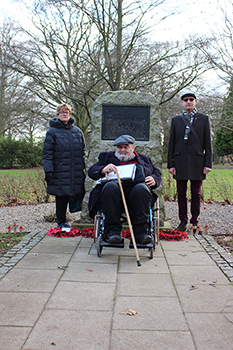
x: 191, y: 156
x: 64, y: 157
x: 106, y: 158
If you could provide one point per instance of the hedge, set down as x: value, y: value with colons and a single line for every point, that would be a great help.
x: 20, y: 153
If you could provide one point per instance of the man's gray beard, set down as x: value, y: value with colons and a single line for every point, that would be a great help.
x: 125, y: 157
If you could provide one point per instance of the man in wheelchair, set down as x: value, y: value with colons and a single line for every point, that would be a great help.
x: 139, y: 193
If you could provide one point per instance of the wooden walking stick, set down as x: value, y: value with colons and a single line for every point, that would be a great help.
x: 128, y: 218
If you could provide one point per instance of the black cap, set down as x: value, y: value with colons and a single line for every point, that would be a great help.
x: 188, y: 94
x: 123, y: 140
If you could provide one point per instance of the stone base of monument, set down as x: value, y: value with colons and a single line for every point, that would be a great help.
x: 82, y: 225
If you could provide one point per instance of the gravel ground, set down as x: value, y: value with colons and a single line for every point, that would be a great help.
x: 30, y: 217
x: 218, y: 217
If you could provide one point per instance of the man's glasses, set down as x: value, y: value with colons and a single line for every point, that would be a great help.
x: 191, y: 99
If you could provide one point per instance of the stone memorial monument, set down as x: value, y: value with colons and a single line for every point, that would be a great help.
x: 123, y: 112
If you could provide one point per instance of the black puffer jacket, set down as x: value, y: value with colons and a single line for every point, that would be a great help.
x: 63, y: 158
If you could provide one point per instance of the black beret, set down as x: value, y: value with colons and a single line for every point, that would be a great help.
x: 188, y: 94
x: 123, y: 140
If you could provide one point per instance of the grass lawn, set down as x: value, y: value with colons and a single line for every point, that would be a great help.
x: 28, y: 186
x: 9, y: 240
x: 22, y: 186
x: 20, y: 172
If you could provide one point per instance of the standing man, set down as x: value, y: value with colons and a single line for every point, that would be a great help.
x: 189, y: 156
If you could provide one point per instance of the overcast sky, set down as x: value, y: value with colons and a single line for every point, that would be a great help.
x: 190, y: 17
x: 199, y: 16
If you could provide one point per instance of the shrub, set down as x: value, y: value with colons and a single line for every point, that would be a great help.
x: 8, y: 152
x: 19, y: 153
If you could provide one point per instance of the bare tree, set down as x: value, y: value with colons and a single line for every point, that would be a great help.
x: 218, y: 48
x: 52, y: 59
x: 15, y: 99
x: 80, y: 49
x: 125, y: 58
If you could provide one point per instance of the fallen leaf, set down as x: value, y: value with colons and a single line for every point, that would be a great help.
x: 129, y: 312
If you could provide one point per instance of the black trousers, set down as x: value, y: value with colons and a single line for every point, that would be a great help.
x: 138, y: 198
x: 61, y: 208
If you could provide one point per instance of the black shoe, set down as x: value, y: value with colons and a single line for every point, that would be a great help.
x: 143, y: 239
x: 114, y: 237
x: 182, y: 227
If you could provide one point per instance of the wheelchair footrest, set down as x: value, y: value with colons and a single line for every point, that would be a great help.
x: 141, y: 246
x: 113, y: 245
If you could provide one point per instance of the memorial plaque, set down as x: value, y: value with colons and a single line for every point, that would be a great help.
x: 125, y: 120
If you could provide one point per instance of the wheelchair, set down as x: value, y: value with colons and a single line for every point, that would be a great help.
x: 100, y: 236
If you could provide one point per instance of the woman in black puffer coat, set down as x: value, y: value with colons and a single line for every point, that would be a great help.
x: 64, y: 161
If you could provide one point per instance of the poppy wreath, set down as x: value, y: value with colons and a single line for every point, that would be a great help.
x: 57, y: 232
x: 172, y: 235
x: 164, y: 235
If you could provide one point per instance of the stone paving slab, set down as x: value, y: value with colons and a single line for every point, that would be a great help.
x: 211, y: 330
x: 30, y: 280
x: 65, y: 297
x: 204, y: 297
x: 161, y: 340
x: 195, y: 275
x: 189, y: 244
x: 56, y: 245
x: 71, y: 330
x: 89, y: 255
x: 145, y: 285
x: 83, y: 296
x: 187, y: 257
x: 90, y: 272
x: 21, y: 309
x: 43, y: 261
x: 153, y: 313
x: 13, y: 338
x: 156, y: 265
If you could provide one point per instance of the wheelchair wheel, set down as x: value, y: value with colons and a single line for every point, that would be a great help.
x: 96, y: 227
x: 98, y: 246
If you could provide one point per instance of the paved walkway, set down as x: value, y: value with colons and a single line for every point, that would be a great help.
x: 61, y: 296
